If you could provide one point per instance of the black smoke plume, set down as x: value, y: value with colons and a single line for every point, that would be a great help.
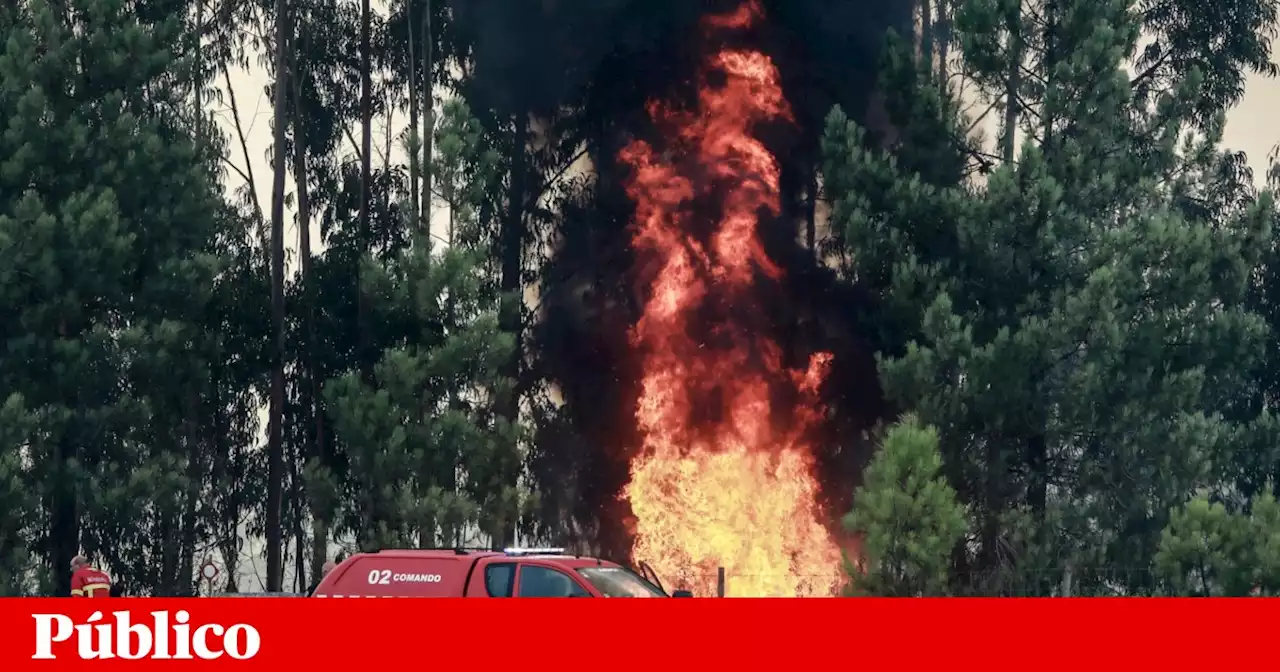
x: 602, y: 60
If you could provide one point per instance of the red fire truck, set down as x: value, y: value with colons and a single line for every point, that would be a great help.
x: 532, y: 572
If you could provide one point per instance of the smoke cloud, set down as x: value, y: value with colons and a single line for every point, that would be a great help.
x: 603, y: 59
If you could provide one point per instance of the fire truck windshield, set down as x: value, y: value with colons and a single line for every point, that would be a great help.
x: 619, y: 582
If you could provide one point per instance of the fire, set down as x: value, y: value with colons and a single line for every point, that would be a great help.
x: 725, y: 476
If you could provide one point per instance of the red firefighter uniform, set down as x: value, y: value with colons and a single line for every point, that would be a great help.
x: 90, y: 582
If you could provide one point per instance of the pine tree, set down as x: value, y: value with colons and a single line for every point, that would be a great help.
x: 1208, y: 550
x: 108, y: 215
x: 1066, y: 325
x: 907, y: 517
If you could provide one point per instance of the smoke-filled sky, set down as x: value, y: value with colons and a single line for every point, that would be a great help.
x: 1251, y: 127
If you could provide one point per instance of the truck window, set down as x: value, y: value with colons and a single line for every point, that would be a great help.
x: 619, y: 582
x: 538, y: 581
x: 498, y: 579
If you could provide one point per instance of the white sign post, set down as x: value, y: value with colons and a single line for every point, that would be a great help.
x: 209, y: 572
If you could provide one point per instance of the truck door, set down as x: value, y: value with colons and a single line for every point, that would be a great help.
x: 539, y: 581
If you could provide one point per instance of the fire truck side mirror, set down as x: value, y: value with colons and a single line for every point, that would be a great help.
x: 682, y: 593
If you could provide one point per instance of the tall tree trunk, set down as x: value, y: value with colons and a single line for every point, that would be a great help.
x: 1013, y: 85
x: 232, y: 543
x: 510, y: 317
x: 1049, y: 114
x: 926, y: 34
x: 428, y: 115
x: 296, y: 526
x: 168, y: 570
x: 186, y: 570
x: 64, y: 518
x: 415, y: 152
x: 366, y: 185
x: 447, y: 527
x: 368, y: 536
x: 222, y: 472
x: 1037, y: 444
x: 275, y: 418
x: 989, y: 559
x: 195, y: 482
x: 197, y: 84
x: 944, y: 41
x: 314, y: 402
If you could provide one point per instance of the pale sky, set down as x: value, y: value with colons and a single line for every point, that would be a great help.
x: 1251, y: 127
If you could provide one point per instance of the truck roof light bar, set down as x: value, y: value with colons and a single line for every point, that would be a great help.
x: 459, y: 550
x: 533, y: 551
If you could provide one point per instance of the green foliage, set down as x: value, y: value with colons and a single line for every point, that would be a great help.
x: 109, y: 222
x: 1076, y: 324
x: 907, y: 517
x: 16, y: 426
x: 429, y: 455
x: 1207, y: 550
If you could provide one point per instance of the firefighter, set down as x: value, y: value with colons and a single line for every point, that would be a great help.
x: 88, y: 581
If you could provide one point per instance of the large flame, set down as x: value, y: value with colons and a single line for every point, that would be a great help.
x: 724, y: 477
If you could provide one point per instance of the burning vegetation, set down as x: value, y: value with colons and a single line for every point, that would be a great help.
x: 725, y: 476
x: 716, y: 377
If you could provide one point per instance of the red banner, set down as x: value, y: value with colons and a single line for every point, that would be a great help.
x: 701, y: 634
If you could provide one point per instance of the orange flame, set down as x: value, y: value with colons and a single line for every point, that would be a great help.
x: 724, y: 477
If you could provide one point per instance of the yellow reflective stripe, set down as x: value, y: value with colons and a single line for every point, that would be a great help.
x: 93, y: 587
